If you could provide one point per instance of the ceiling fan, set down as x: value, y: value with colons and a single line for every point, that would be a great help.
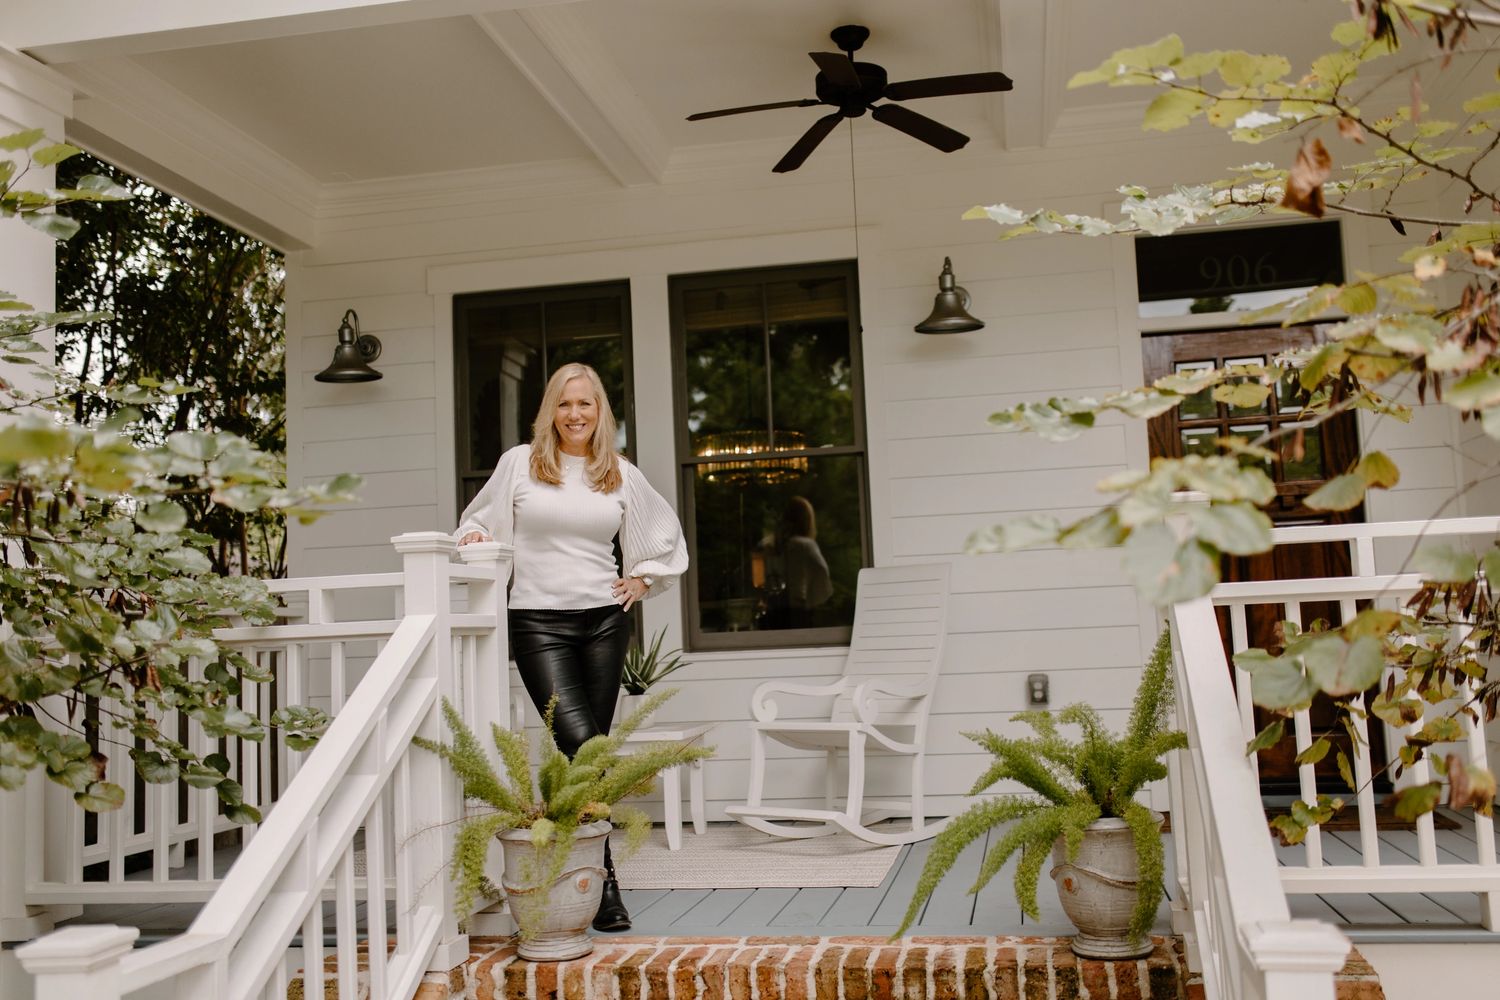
x: 854, y: 87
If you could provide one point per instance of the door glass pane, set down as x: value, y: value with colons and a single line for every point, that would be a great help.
x: 778, y: 546
x: 1199, y: 440
x: 1248, y: 433
x: 725, y: 365
x: 1310, y: 464
x: 1247, y: 411
x: 505, y: 379
x: 588, y: 331
x: 811, y: 367
x: 1200, y: 405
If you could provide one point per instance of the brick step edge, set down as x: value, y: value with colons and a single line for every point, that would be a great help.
x: 826, y: 968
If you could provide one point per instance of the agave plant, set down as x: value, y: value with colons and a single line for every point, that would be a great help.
x: 1076, y: 782
x: 645, y: 667
x: 565, y: 795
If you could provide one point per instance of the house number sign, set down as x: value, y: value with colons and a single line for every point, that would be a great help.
x: 1226, y: 262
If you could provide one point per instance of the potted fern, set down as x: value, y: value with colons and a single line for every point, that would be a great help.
x: 645, y: 666
x: 554, y: 827
x: 1106, y: 847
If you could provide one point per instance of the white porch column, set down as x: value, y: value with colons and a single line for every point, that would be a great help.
x: 434, y: 791
x: 30, y: 97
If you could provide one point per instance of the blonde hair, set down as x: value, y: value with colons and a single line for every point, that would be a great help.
x: 603, y: 467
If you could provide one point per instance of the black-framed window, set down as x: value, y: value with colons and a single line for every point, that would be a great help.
x: 506, y: 344
x: 771, y: 449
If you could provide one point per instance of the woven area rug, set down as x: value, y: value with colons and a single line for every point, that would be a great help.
x: 732, y: 856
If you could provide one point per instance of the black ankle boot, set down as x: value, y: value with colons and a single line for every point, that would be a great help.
x: 612, y: 915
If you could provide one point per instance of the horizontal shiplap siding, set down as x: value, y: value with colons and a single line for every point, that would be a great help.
x: 1058, y: 322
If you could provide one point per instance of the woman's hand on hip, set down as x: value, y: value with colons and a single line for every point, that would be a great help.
x: 629, y: 590
x: 475, y: 536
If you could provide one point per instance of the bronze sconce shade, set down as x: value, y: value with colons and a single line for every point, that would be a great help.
x: 950, y: 309
x: 352, y: 355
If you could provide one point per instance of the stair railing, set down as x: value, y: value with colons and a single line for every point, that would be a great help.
x: 363, y: 794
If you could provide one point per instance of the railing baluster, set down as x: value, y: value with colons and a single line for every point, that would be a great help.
x: 312, y: 923
x: 119, y: 822
x: 344, y: 924
x: 246, y: 755
x: 1364, y: 790
x: 1307, y: 779
x: 375, y: 927
x: 203, y: 801
x: 296, y: 693
x: 405, y: 877
x: 336, y: 676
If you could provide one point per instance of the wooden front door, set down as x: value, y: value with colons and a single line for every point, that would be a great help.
x: 1302, y: 464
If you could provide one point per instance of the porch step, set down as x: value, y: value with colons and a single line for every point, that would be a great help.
x: 829, y: 968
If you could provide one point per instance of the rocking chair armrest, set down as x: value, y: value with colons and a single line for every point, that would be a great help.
x: 764, y: 709
x: 866, y: 708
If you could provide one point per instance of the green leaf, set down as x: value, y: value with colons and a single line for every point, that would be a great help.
x: 25, y: 442
x: 1492, y: 567
x: 1245, y: 395
x: 1172, y: 109
x: 1339, y: 493
x: 100, y: 796
x: 1417, y: 800
x: 55, y: 153
x: 153, y: 767
x: 1342, y: 668
x: 1166, y: 571
x: 1378, y: 470
x: 1243, y: 69
x: 1237, y: 528
x: 1345, y: 771
x: 1267, y: 737
x: 1443, y: 729
x: 164, y: 516
x: 1445, y: 564
x: 239, y: 812
x: 22, y: 140
x: 1356, y: 299
x: 1023, y: 532
x: 1475, y: 391
x: 59, y: 227
x: 1482, y: 103
x: 1280, y: 684
x: 1316, y: 752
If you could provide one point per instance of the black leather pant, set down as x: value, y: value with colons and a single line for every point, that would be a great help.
x: 577, y: 656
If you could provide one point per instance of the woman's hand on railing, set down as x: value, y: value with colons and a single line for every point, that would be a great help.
x: 474, y: 536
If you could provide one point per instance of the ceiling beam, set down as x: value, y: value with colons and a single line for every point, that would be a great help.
x: 1028, y: 37
x: 574, y: 72
x: 137, y: 121
x: 58, y: 31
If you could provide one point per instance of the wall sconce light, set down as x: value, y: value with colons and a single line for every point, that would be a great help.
x: 352, y: 355
x: 950, y: 309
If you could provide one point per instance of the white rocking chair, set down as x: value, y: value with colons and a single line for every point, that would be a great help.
x: 880, y: 705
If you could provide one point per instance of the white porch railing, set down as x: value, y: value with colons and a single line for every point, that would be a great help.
x: 362, y: 793
x: 1372, y: 872
x: 1232, y: 907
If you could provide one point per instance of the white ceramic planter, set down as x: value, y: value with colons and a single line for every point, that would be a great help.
x: 629, y: 703
x: 1098, y: 890
x: 556, y: 928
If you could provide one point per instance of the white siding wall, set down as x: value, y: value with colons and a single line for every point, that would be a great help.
x: 1061, y: 320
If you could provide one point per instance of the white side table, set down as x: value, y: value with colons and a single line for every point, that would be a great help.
x: 671, y: 780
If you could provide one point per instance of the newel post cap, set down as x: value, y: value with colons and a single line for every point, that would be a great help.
x: 1296, y: 946
x: 478, y: 552
x: 77, y: 949
x: 424, y: 541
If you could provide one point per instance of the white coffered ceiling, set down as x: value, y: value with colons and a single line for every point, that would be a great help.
x: 302, y: 97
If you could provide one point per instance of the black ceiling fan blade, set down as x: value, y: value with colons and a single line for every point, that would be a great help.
x: 839, y: 69
x: 804, y: 146
x: 806, y: 102
x: 948, y: 86
x: 920, y: 127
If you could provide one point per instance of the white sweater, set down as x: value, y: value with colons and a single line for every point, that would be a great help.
x: 562, y: 535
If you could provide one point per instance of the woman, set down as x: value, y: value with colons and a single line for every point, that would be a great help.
x: 561, y: 500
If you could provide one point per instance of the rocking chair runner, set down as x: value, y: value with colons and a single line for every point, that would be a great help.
x: 880, y: 705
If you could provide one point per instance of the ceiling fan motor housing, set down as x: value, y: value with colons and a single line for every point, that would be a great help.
x: 853, y: 101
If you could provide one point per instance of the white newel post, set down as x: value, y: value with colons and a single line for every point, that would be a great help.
x: 491, y: 698
x: 436, y: 803
x: 1297, y: 959
x: 78, y: 962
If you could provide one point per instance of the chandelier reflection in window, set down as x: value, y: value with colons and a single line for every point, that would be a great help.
x: 765, y: 467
